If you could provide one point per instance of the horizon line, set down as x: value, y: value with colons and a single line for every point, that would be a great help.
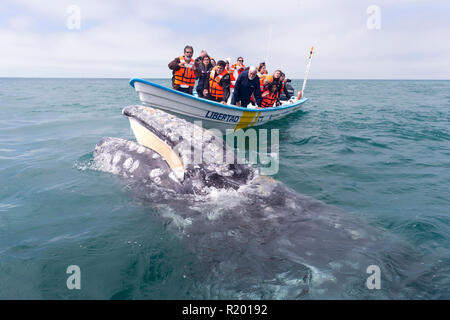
x: 156, y: 78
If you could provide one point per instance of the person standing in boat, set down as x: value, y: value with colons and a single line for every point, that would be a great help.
x: 247, y: 85
x: 183, y: 70
x: 228, y: 65
x: 202, y: 72
x: 203, y: 54
x: 232, y: 78
x: 238, y: 66
x: 235, y: 70
x: 218, y: 86
x: 262, y: 68
x: 284, y: 92
x: 262, y: 74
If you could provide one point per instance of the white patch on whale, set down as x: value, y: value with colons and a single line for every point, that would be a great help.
x: 127, y: 163
x: 291, y: 204
x: 132, y: 146
x: 269, y: 210
x: 156, y: 173
x: 134, y: 166
x: 356, y: 234
x: 141, y: 149
x: 105, y: 161
x: 116, y: 158
x: 130, y: 165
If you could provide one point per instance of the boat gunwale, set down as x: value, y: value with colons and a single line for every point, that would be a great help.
x: 216, y: 104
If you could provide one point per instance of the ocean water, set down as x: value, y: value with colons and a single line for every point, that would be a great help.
x: 379, y: 150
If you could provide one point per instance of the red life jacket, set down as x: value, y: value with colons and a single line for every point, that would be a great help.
x: 185, y: 75
x: 231, y: 72
x: 283, y: 85
x: 215, y: 89
x: 269, y: 99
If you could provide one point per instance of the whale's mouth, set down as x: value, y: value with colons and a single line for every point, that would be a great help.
x: 148, y: 128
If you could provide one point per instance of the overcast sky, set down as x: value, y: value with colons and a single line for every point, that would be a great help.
x: 124, y: 39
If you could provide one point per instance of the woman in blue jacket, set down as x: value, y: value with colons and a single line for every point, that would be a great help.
x: 202, y: 74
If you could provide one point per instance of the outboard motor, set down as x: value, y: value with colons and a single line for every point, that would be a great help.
x: 290, y: 90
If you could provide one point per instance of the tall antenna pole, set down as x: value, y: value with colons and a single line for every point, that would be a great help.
x: 306, y: 73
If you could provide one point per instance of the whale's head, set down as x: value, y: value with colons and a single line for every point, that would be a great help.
x: 173, y: 153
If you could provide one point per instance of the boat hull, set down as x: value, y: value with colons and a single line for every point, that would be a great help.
x: 212, y: 114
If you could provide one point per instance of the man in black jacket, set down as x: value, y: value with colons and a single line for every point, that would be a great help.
x: 247, y: 84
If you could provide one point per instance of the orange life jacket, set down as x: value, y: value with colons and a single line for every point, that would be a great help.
x: 269, y: 78
x: 215, y: 89
x: 238, y: 68
x: 261, y: 77
x: 269, y: 99
x: 185, y: 75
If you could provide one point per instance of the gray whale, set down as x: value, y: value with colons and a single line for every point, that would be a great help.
x: 253, y: 236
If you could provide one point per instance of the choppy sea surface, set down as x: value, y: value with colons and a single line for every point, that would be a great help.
x: 379, y: 150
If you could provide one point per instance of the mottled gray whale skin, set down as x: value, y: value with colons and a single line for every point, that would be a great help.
x: 253, y: 236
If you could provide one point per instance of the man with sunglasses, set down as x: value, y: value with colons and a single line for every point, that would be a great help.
x: 237, y: 68
x: 183, y: 71
x: 239, y: 63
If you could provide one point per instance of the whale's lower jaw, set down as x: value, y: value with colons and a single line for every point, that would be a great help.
x: 131, y: 160
x: 147, y: 138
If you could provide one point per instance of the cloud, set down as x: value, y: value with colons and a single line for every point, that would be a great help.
x: 139, y: 38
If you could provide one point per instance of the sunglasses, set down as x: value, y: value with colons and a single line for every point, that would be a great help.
x: 241, y: 60
x: 188, y: 52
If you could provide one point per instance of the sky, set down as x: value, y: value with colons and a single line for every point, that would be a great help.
x: 358, y: 39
